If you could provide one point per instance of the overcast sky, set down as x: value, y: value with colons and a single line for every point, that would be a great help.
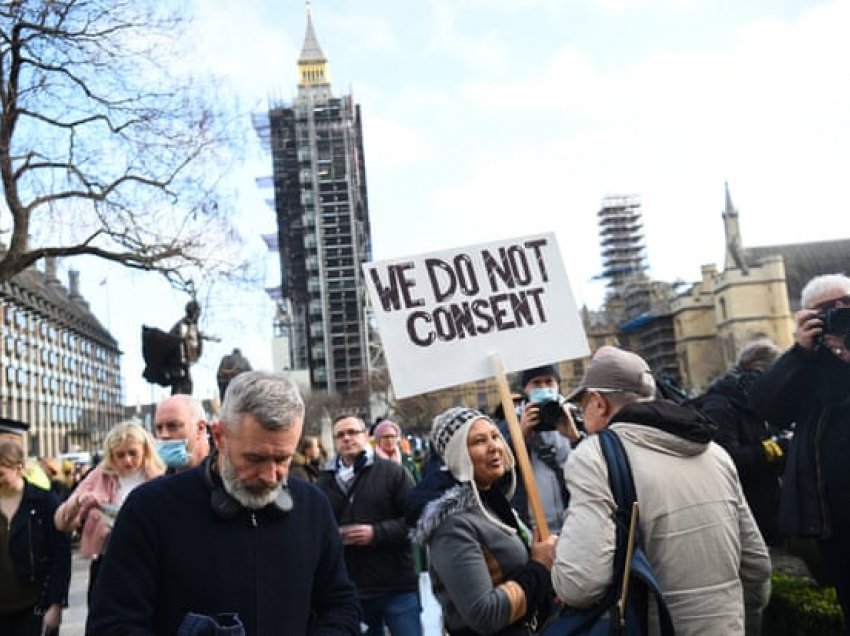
x: 487, y: 119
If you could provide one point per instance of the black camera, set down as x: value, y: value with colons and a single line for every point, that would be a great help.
x: 836, y: 321
x: 550, y: 413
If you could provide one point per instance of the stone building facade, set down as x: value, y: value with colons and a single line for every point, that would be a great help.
x: 726, y: 310
x: 60, y: 367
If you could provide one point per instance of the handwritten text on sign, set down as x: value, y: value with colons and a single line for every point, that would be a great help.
x: 505, y: 297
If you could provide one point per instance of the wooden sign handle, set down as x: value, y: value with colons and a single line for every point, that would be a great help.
x: 520, y: 451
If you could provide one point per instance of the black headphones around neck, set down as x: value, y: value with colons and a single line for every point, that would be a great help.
x: 225, y: 506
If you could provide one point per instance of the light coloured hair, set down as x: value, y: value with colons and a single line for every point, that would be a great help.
x: 131, y: 430
x: 192, y: 405
x: 11, y: 455
x: 271, y: 398
x: 621, y: 398
x: 819, y: 285
x: 758, y: 355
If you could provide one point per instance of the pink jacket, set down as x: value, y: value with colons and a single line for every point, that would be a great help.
x: 95, y: 527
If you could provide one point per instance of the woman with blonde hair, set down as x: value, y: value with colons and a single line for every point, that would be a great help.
x: 129, y: 459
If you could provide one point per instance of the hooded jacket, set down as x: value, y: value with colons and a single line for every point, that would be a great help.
x: 699, y: 534
x: 472, y: 553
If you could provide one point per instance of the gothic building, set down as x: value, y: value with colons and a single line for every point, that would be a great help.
x: 754, y: 296
x: 323, y: 237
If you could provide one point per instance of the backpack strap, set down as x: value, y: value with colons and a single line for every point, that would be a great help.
x: 623, y: 489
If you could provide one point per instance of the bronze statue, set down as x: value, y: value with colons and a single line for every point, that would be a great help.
x: 170, y: 355
x: 190, y: 347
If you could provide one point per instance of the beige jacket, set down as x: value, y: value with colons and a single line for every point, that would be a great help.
x: 699, y: 533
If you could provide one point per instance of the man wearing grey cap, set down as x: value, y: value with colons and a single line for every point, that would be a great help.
x: 698, y: 531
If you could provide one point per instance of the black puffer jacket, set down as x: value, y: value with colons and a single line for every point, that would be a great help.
x: 740, y: 431
x: 40, y: 553
x: 377, y: 497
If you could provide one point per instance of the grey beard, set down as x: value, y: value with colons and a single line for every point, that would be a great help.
x: 237, y: 490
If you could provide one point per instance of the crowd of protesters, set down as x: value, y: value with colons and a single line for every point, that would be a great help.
x: 243, y: 525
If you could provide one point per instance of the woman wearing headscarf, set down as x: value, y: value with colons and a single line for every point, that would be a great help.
x: 488, y: 574
x: 129, y: 459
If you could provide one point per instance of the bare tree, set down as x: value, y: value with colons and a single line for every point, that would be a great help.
x: 416, y: 413
x: 319, y: 405
x: 108, y: 145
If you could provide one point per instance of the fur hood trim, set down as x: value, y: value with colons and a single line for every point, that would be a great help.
x: 458, y: 499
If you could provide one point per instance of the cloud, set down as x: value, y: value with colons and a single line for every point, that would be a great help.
x: 258, y: 57
x: 373, y: 33
x: 393, y: 145
x: 626, y: 6
x: 448, y: 39
x: 539, y: 151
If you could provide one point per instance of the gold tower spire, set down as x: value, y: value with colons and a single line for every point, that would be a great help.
x: 312, y: 63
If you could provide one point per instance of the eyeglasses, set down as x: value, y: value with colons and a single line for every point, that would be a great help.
x: 841, y: 301
x: 351, y: 432
x: 388, y: 437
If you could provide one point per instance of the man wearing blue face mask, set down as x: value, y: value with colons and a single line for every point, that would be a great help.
x: 549, y: 435
x: 180, y: 426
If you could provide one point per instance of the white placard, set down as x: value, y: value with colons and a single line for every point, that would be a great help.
x: 442, y: 315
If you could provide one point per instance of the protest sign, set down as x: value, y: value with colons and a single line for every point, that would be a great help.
x: 442, y: 315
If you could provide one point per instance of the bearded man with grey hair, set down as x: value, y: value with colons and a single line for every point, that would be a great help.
x: 230, y: 542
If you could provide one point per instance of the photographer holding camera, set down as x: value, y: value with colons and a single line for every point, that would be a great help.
x: 810, y: 385
x: 549, y: 433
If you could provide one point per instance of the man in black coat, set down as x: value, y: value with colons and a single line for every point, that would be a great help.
x: 231, y: 540
x: 368, y: 495
x: 810, y: 385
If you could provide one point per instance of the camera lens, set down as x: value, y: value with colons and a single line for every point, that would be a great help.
x: 550, y: 414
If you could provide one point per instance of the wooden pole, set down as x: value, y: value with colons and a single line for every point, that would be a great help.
x: 627, y: 568
x: 520, y: 450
